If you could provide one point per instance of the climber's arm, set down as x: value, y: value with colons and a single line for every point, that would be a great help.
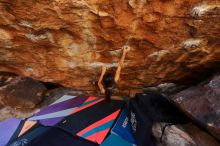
x: 121, y: 62
x: 101, y: 87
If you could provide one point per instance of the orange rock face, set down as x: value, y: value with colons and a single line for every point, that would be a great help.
x: 68, y: 41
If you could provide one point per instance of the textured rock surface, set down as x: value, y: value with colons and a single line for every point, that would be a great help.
x: 68, y: 41
x: 202, y: 104
x: 182, y: 135
x: 173, y: 136
x: 201, y: 137
x: 23, y: 93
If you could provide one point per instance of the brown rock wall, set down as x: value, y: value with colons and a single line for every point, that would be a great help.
x: 68, y: 41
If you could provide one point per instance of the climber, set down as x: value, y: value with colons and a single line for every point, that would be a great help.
x: 108, y: 80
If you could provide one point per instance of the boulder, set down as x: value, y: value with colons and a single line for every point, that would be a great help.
x: 21, y: 92
x: 48, y: 98
x: 202, y: 104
